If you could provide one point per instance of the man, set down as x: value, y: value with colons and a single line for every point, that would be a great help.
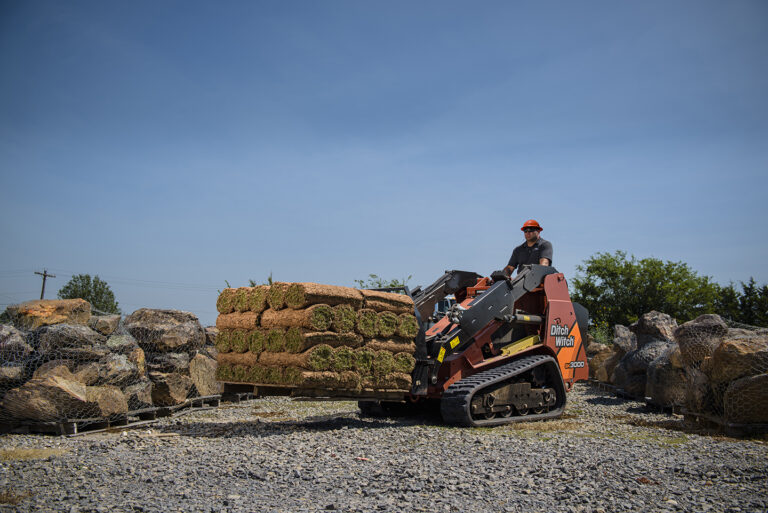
x: 534, y: 250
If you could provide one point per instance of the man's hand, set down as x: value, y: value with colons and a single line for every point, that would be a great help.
x: 544, y: 261
x: 508, y: 269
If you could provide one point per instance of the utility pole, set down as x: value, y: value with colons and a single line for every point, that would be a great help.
x: 45, y: 275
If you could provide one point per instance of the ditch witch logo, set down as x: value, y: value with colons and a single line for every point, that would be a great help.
x: 561, y: 334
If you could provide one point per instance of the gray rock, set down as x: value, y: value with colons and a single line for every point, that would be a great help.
x: 139, y: 394
x: 123, y: 343
x: 746, y: 400
x: 13, y: 344
x: 169, y: 362
x: 653, y: 326
x: 104, y: 324
x: 211, y: 332
x: 624, y: 339
x: 666, y: 385
x: 165, y: 330
x: 637, y: 361
x: 170, y: 389
x: 10, y: 376
x: 60, y: 336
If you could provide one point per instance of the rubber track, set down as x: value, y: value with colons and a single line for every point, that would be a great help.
x: 454, y: 405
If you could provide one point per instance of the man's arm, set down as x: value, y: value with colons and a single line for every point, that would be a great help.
x: 545, y: 256
x: 508, y: 270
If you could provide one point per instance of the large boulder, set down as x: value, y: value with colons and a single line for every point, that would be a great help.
x: 139, y: 394
x: 699, y: 338
x: 104, y: 324
x: 104, y: 401
x: 632, y: 384
x: 596, y: 362
x: 653, y: 326
x: 637, y: 361
x: 44, y: 312
x: 165, y: 330
x: 169, y: 362
x: 746, y: 400
x: 738, y: 357
x: 114, y: 369
x: 623, y: 339
x: 606, y: 374
x: 10, y: 376
x: 665, y: 385
x: 698, y: 393
x: 49, y: 399
x: 59, y: 368
x: 49, y: 339
x: 170, y: 389
x: 202, y: 370
x: 123, y: 343
x: 13, y: 344
x: 211, y: 332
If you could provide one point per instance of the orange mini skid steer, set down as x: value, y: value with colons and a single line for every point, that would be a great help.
x: 507, y: 351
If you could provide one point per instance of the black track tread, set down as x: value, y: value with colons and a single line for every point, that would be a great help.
x: 455, y: 402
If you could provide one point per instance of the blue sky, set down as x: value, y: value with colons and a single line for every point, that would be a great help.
x: 170, y: 146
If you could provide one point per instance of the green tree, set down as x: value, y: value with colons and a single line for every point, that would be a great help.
x: 376, y: 282
x: 617, y: 290
x: 96, y: 291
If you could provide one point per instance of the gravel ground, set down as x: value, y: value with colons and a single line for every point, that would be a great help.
x: 274, y: 454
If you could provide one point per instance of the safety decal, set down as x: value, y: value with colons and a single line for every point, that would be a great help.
x: 453, y: 343
x: 441, y: 355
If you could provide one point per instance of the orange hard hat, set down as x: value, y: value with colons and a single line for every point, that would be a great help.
x: 532, y: 223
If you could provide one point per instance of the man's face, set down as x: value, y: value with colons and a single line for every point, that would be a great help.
x: 531, y: 234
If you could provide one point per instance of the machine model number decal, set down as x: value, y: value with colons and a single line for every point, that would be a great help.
x: 574, y: 365
x: 562, y: 339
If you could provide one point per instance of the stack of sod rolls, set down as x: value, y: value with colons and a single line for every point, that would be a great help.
x: 316, y: 336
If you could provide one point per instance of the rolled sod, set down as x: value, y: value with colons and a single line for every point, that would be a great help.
x: 363, y: 361
x: 383, y: 363
x: 306, y: 360
x: 240, y: 373
x: 224, y: 372
x: 275, y: 340
x: 366, y: 322
x: 257, y: 298
x: 386, y: 324
x: 292, y: 375
x: 387, y: 301
x: 222, y: 342
x: 238, y: 341
x: 343, y: 359
x: 226, y: 302
x: 404, y: 363
x: 347, y: 380
x: 276, y: 295
x: 393, y: 346
x: 344, y: 317
x: 241, y: 299
x: 298, y: 340
x: 272, y: 375
x: 316, y: 318
x: 301, y: 295
x: 256, y: 341
x: 320, y: 358
x: 247, y: 359
x: 238, y: 320
x: 407, y: 326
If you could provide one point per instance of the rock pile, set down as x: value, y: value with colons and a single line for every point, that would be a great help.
x: 702, y: 365
x: 316, y: 336
x: 57, y: 362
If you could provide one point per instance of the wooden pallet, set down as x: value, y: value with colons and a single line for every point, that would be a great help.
x: 128, y: 420
x: 733, y: 429
x: 233, y: 389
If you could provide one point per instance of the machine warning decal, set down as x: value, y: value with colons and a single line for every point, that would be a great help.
x: 441, y: 355
x: 453, y: 343
x: 562, y: 335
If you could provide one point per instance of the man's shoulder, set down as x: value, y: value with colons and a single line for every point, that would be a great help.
x: 544, y: 242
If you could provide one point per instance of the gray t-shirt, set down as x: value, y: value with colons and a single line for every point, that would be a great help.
x: 525, y: 254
